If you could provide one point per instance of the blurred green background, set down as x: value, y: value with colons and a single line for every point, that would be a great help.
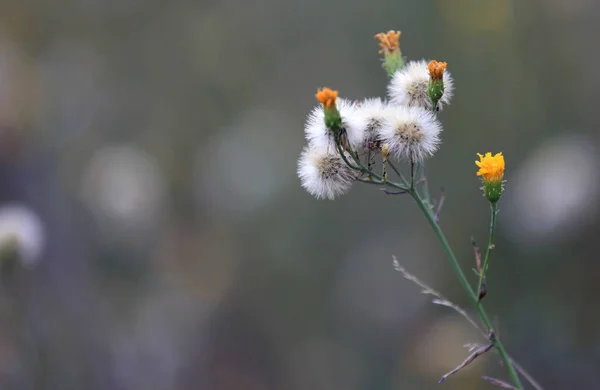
x: 147, y: 182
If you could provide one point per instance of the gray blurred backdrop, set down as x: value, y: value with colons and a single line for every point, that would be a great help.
x: 147, y: 168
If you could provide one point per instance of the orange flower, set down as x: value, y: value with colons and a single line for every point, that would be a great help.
x: 389, y: 42
x: 491, y: 168
x: 436, y: 69
x: 327, y: 97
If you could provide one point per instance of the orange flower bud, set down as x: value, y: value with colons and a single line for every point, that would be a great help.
x: 327, y: 97
x: 436, y: 69
x: 389, y: 42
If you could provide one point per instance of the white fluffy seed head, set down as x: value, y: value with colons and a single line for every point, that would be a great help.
x: 371, y: 114
x: 320, y: 137
x: 411, y: 133
x: 408, y: 87
x: 324, y: 174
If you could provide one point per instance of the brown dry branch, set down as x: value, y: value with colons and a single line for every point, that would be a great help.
x: 482, y: 289
x: 442, y: 301
x: 498, y: 383
x: 477, y: 253
x: 478, y: 352
x: 526, y: 375
x: 439, y: 298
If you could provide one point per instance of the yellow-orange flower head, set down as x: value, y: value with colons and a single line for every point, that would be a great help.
x: 436, y: 69
x: 327, y: 97
x: 389, y: 42
x: 491, y: 168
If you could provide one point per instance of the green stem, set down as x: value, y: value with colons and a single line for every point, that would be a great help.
x: 359, y: 166
x: 483, y: 271
x: 464, y: 282
x: 425, y: 184
x: 412, y: 173
x: 440, y: 235
x: 343, y: 156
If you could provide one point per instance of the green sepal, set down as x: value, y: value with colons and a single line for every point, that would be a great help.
x: 393, y: 62
x: 435, y: 90
x: 492, y: 190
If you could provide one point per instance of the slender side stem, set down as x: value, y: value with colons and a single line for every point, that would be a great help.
x: 360, y: 167
x: 464, y: 282
x: 343, y: 156
x: 494, y: 208
x: 425, y: 183
x: 440, y: 235
x: 384, y: 169
x: 400, y: 175
x: 412, y: 173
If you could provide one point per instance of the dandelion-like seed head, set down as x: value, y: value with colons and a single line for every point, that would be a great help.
x: 412, y: 133
x: 371, y: 114
x: 389, y: 42
x: 327, y: 97
x: 491, y: 168
x: 409, y: 86
x: 320, y: 136
x: 436, y: 69
x: 324, y: 174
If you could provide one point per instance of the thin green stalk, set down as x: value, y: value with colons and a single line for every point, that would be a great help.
x: 400, y: 175
x: 425, y: 183
x: 464, y: 282
x: 343, y: 156
x: 440, y: 235
x: 359, y: 166
x: 483, y: 271
x: 412, y: 173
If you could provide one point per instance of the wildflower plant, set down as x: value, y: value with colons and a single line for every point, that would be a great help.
x: 350, y: 142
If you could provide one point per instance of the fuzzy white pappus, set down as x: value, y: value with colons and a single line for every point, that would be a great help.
x: 371, y: 113
x: 408, y: 86
x: 411, y: 133
x: 324, y: 174
x: 320, y: 137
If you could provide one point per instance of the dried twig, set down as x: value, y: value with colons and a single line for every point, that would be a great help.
x: 440, y: 299
x: 390, y: 192
x: 526, y: 375
x: 499, y: 383
x: 482, y: 289
x: 472, y: 346
x: 458, y: 309
x: 477, y: 253
x: 478, y: 352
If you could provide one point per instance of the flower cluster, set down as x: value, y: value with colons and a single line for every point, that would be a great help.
x: 357, y: 140
x: 342, y: 133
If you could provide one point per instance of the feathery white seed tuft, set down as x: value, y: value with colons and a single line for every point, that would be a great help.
x: 324, y: 174
x: 411, y: 133
x: 408, y: 86
x: 371, y: 113
x: 320, y: 137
